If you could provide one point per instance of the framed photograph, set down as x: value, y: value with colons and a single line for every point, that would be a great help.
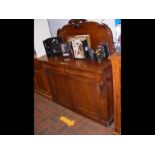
x: 52, y: 46
x: 85, y: 37
x: 78, y: 49
x: 65, y: 50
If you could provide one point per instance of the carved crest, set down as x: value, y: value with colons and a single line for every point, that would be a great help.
x: 76, y: 22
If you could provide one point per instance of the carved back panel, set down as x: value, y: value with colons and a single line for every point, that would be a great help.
x: 98, y: 32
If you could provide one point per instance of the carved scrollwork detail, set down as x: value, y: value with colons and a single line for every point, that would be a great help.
x: 76, y: 22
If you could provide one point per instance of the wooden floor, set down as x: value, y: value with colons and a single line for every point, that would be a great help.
x: 47, y: 122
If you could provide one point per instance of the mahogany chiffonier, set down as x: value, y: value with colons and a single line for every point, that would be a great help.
x: 83, y: 86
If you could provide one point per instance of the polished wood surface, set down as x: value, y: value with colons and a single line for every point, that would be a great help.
x: 98, y: 32
x: 116, y: 68
x: 40, y: 82
x: 81, y: 85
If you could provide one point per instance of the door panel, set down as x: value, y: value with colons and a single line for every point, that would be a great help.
x: 84, y: 97
x: 40, y: 82
x: 60, y: 89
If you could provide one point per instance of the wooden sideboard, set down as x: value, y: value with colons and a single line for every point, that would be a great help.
x: 116, y: 68
x: 40, y: 82
x: 84, y: 86
x: 81, y: 85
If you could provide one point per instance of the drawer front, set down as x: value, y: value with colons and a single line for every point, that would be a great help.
x: 54, y: 69
x: 79, y: 73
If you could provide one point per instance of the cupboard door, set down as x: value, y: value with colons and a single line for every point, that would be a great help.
x: 41, y: 85
x: 85, y: 97
x: 40, y: 82
x: 60, y: 89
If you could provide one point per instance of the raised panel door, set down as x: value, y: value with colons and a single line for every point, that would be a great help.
x: 40, y: 82
x: 85, y: 97
x: 60, y: 89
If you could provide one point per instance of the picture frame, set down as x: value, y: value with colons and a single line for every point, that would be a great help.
x: 52, y: 46
x: 65, y: 49
x: 80, y: 45
x: 78, y: 49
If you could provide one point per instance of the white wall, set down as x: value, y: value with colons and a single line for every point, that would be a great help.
x: 55, y: 24
x: 111, y: 24
x: 41, y: 32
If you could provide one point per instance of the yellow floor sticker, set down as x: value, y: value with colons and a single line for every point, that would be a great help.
x: 67, y: 121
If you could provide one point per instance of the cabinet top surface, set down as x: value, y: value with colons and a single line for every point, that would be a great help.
x: 83, y: 64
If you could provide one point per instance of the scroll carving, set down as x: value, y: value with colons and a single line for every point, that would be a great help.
x: 76, y: 22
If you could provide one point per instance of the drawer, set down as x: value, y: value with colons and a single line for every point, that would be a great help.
x: 79, y: 73
x: 54, y: 69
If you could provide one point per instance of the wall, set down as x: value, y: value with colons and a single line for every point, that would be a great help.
x: 41, y: 32
x: 111, y: 24
x: 55, y: 24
